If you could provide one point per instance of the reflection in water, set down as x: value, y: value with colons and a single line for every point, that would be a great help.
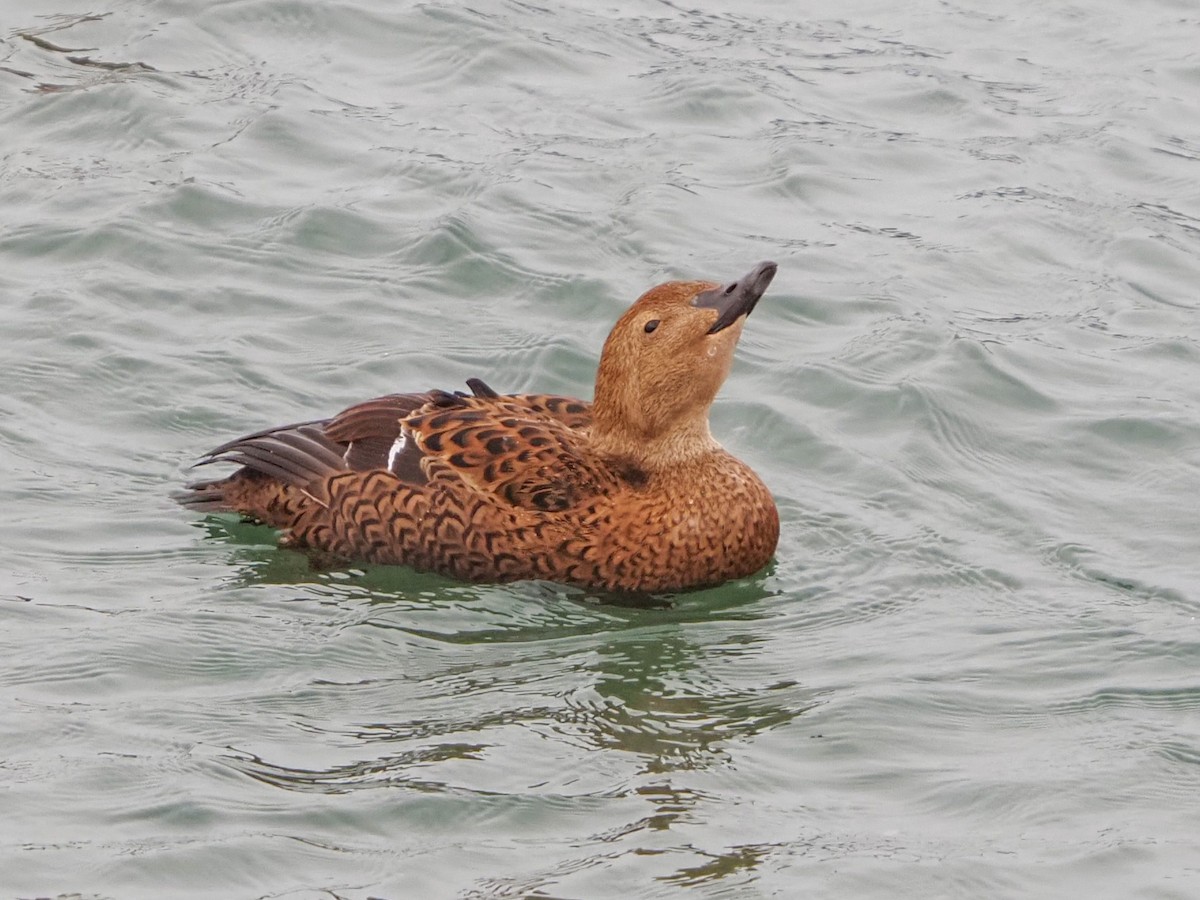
x: 525, y: 704
x: 653, y: 697
x: 720, y: 865
x: 394, y: 770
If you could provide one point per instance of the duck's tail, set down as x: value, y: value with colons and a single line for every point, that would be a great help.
x: 278, y: 467
x: 204, y: 496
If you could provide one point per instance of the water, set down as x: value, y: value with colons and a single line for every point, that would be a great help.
x: 973, y: 388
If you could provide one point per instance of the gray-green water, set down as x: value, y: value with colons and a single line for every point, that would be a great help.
x: 974, y: 670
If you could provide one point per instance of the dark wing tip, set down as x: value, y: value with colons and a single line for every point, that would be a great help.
x: 481, y: 389
x: 203, y: 496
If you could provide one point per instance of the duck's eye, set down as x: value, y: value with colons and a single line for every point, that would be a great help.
x: 651, y: 325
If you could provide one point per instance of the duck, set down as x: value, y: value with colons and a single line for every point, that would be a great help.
x: 628, y: 493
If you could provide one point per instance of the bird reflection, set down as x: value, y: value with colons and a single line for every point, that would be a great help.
x: 532, y: 696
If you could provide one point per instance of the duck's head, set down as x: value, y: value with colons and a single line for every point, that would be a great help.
x: 663, y: 364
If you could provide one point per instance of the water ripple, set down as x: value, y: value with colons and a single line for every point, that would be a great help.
x: 972, y: 390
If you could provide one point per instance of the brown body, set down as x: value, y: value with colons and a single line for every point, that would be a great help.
x: 629, y: 492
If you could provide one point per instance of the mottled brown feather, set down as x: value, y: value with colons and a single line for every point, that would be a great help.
x: 631, y: 493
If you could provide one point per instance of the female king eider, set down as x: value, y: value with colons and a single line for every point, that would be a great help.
x: 627, y: 493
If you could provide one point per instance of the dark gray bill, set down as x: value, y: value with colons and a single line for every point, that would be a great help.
x: 737, y: 298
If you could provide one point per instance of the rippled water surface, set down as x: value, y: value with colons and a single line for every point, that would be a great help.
x: 974, y: 388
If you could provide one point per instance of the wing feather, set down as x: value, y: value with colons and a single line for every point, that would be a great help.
x: 508, y: 448
x: 522, y: 449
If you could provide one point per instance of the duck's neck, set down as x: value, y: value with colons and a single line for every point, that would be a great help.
x: 685, y: 443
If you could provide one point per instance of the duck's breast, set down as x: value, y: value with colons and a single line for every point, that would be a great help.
x: 683, y: 529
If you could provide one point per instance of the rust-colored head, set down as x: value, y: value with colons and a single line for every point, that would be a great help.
x: 663, y: 364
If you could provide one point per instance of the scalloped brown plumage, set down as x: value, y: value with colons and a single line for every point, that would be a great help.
x: 627, y: 493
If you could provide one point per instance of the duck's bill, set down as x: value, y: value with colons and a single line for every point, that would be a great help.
x: 738, y: 298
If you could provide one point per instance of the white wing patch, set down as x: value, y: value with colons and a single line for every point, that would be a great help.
x: 398, y: 446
